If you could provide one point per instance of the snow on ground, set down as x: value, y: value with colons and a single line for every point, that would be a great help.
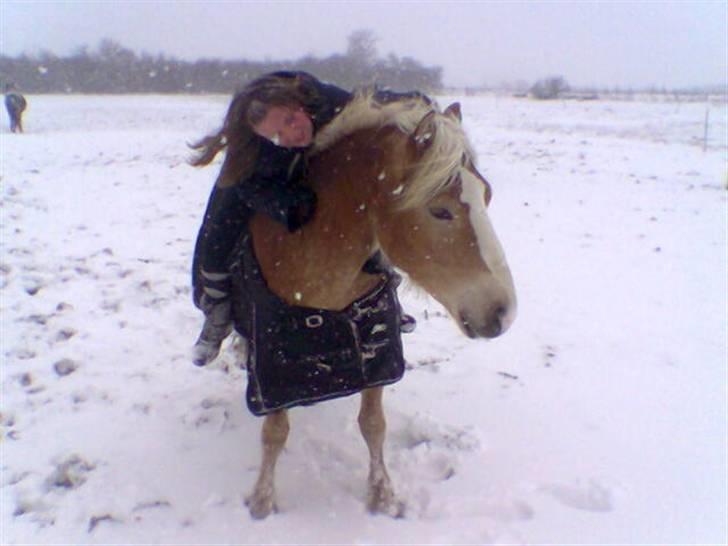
x: 599, y: 418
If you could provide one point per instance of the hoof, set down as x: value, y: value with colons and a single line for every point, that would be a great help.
x: 260, y: 507
x: 382, y: 500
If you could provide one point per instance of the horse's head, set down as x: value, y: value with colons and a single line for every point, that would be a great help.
x: 397, y: 177
x: 432, y: 222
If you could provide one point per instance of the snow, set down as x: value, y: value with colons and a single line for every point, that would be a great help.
x: 599, y: 418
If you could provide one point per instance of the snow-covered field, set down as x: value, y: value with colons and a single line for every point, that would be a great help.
x: 599, y: 418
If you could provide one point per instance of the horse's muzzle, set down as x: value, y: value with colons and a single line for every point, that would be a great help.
x: 489, y: 326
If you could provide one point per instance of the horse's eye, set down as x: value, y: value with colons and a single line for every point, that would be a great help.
x: 441, y: 213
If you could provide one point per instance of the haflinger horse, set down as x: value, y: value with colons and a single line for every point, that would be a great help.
x: 398, y: 178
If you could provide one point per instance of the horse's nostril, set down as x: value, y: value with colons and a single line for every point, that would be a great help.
x: 494, y: 323
x: 495, y: 328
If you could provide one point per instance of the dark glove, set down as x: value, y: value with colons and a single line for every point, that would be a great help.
x: 218, y: 325
x: 303, y: 210
x: 214, y: 301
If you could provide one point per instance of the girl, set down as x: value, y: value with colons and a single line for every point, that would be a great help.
x: 268, y: 126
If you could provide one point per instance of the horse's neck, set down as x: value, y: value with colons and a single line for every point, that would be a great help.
x: 320, y: 264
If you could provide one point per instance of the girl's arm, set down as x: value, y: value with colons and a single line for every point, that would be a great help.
x: 274, y: 188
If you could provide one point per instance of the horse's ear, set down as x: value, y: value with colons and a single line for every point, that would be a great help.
x: 454, y: 111
x: 424, y: 134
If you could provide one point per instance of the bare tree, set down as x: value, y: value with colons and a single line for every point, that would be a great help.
x: 549, y: 88
x: 362, y: 47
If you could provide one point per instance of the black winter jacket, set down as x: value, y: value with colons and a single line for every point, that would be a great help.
x: 273, y: 189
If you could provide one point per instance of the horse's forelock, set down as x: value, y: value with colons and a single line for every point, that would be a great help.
x: 436, y: 170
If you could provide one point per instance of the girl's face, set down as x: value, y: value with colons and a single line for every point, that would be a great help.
x: 286, y: 126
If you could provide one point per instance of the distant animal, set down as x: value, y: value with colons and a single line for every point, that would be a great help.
x: 15, y: 104
x: 399, y: 179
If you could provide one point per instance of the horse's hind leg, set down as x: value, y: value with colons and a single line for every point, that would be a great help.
x: 275, y: 432
x: 380, y: 495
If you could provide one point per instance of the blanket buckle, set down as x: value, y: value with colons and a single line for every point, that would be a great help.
x: 314, y: 321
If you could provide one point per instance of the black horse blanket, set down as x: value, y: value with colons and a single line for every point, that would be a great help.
x: 302, y: 355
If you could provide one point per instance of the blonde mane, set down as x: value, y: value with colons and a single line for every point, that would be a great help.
x: 435, y: 171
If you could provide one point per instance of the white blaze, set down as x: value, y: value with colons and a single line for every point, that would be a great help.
x: 490, y: 247
x: 488, y: 243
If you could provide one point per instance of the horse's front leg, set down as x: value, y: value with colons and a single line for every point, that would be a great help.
x: 380, y: 496
x: 275, y: 432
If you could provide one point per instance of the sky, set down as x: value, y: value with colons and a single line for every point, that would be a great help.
x: 626, y: 44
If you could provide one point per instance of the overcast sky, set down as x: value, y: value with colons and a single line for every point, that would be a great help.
x: 632, y: 44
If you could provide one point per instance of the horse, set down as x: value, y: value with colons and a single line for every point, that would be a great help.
x: 399, y: 179
x: 15, y: 104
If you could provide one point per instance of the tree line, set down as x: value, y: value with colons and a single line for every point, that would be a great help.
x: 113, y: 68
